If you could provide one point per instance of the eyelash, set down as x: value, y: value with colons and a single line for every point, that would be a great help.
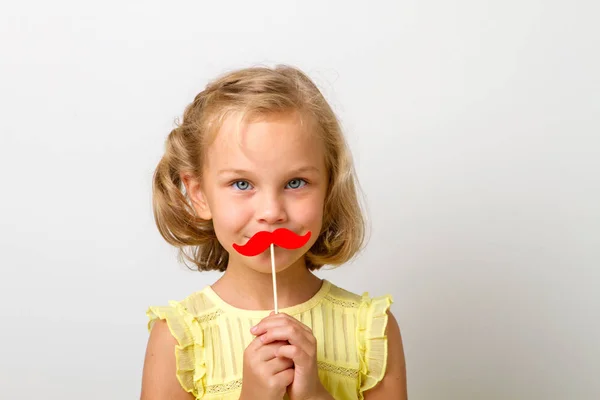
x: 295, y: 179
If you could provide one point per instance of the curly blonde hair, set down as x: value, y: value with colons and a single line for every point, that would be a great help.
x: 257, y: 91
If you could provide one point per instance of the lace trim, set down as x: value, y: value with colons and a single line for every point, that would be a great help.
x: 349, y: 372
x: 209, y: 317
x: 343, y: 303
x: 237, y: 384
x: 224, y: 387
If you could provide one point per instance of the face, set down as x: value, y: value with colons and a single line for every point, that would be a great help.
x: 262, y: 176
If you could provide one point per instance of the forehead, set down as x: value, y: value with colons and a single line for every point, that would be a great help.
x: 271, y: 143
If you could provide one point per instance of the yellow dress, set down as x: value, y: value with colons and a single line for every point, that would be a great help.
x: 212, y: 336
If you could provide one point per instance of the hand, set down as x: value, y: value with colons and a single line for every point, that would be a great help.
x: 266, y: 376
x: 301, y: 349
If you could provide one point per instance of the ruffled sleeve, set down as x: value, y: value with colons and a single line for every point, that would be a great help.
x: 372, y: 340
x: 189, y: 352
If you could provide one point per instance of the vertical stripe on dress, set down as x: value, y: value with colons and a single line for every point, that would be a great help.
x: 232, y: 348
x: 346, y: 339
x: 334, y: 342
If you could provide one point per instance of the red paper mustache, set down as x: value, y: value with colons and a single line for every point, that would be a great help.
x: 281, y: 237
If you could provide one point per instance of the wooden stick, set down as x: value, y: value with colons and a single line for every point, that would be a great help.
x: 274, y: 278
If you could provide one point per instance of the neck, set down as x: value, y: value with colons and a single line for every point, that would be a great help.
x: 245, y: 288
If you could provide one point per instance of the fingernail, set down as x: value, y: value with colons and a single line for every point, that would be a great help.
x: 253, y: 329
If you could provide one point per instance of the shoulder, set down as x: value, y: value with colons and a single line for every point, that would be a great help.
x: 379, y: 340
x: 197, y: 307
x: 393, y: 384
x: 340, y: 296
x: 159, y: 378
x: 176, y: 337
x: 367, y: 306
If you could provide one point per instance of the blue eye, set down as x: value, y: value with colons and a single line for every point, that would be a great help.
x: 296, y: 183
x: 241, y: 185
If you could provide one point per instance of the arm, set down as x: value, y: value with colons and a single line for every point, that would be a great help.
x: 393, y: 384
x: 159, y: 380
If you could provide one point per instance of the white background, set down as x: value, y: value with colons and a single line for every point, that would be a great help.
x: 475, y: 130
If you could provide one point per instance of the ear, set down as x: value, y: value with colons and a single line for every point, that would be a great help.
x: 196, y: 193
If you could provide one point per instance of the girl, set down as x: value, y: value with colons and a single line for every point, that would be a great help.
x: 260, y: 150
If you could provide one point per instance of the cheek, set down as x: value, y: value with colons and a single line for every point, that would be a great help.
x: 309, y: 213
x: 229, y: 215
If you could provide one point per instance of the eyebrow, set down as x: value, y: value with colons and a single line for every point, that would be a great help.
x: 242, y: 171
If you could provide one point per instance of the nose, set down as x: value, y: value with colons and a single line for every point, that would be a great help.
x: 270, y: 209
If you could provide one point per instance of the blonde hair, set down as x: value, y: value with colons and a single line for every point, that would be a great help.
x: 258, y: 91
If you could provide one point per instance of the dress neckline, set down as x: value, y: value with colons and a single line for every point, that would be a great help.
x: 293, y: 310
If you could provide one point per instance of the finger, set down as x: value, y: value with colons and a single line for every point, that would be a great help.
x: 287, y: 317
x: 277, y: 320
x: 278, y: 364
x: 285, y: 377
x: 296, y: 354
x: 293, y: 334
x: 269, y: 351
x: 295, y: 321
x: 256, y: 344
